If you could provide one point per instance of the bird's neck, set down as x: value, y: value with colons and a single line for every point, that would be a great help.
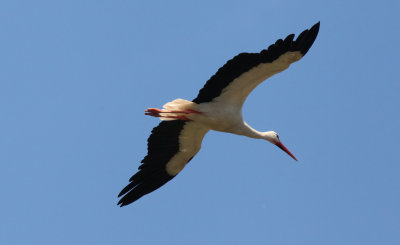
x: 247, y: 130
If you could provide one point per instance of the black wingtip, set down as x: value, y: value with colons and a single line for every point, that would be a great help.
x: 315, y: 28
x: 126, y: 189
x: 128, y: 199
x: 307, y: 38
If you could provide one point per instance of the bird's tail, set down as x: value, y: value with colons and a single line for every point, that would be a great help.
x: 178, y: 105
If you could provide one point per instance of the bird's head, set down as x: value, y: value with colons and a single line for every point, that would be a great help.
x: 273, y: 137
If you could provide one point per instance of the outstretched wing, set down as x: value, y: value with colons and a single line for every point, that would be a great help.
x: 171, y: 145
x: 239, y: 76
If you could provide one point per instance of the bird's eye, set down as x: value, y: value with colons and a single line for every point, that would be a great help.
x: 277, y: 136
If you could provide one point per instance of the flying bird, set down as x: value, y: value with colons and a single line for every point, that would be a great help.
x: 218, y: 106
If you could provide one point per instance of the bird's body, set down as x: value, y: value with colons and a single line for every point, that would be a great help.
x: 217, y: 116
x: 218, y: 106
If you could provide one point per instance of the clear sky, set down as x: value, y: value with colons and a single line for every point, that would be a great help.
x: 76, y: 76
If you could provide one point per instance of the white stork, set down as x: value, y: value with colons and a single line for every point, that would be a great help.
x: 177, y: 139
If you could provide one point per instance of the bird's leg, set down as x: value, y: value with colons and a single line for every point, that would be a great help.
x: 158, y: 111
x: 154, y: 112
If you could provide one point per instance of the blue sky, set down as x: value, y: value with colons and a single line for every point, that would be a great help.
x: 76, y: 77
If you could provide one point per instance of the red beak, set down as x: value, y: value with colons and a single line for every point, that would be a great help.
x: 283, y: 148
